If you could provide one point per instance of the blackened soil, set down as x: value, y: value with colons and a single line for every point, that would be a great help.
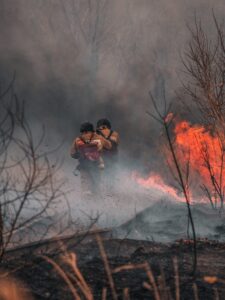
x: 45, y: 282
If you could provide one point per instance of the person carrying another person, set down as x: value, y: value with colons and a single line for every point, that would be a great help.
x: 88, y: 148
x: 110, y: 156
x: 104, y: 129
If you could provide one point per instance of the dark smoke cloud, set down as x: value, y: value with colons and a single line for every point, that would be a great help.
x: 67, y: 78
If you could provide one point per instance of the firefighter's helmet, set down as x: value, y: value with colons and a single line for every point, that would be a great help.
x: 86, y: 127
x: 104, y: 122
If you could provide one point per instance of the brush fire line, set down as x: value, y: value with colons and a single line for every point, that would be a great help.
x: 203, y: 151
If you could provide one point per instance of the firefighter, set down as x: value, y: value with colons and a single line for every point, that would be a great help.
x: 110, y: 156
x: 87, y: 148
x: 104, y: 129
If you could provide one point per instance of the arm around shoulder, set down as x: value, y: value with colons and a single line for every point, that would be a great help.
x: 106, y: 144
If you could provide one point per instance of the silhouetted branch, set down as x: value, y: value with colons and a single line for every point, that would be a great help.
x: 181, y: 176
x: 204, y: 63
x: 30, y: 186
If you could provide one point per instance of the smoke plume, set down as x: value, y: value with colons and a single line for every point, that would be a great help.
x: 78, y: 60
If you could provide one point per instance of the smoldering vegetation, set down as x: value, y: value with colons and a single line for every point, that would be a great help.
x: 166, y: 221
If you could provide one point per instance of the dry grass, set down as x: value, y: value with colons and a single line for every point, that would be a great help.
x: 10, y: 289
x: 157, y: 287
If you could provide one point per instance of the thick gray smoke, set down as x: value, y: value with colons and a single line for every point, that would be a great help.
x: 78, y: 60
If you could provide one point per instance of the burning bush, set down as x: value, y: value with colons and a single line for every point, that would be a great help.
x: 205, y: 154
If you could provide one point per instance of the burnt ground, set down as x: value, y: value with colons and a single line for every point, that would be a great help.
x: 45, y: 283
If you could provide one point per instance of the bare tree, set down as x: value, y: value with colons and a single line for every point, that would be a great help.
x: 204, y: 63
x: 30, y: 187
x: 180, y: 172
x: 215, y: 191
x: 91, y: 28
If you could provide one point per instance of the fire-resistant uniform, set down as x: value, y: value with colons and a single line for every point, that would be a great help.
x: 110, y: 156
x: 88, y: 148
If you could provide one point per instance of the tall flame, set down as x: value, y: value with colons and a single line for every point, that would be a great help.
x: 203, y: 151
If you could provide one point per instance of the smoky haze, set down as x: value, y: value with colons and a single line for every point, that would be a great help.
x: 78, y: 60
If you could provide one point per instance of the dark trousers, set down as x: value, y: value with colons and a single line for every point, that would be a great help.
x: 110, y: 174
x: 90, y: 179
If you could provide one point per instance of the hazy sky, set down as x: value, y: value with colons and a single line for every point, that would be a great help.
x: 78, y: 60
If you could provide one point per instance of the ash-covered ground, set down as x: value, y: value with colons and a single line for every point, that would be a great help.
x: 152, y: 213
x: 132, y: 211
x: 45, y: 282
x: 145, y: 225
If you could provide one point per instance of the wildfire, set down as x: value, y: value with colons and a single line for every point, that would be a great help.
x: 155, y: 181
x: 203, y: 151
x: 196, y: 146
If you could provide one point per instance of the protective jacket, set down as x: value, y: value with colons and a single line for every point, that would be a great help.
x: 111, y: 136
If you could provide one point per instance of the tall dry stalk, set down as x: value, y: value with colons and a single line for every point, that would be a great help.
x: 176, y: 275
x: 180, y: 175
x: 107, y: 267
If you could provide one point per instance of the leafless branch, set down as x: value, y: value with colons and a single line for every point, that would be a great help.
x: 181, y: 175
x: 29, y: 184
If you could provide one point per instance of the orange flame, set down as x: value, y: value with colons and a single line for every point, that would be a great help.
x: 202, y: 149
x: 155, y: 181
